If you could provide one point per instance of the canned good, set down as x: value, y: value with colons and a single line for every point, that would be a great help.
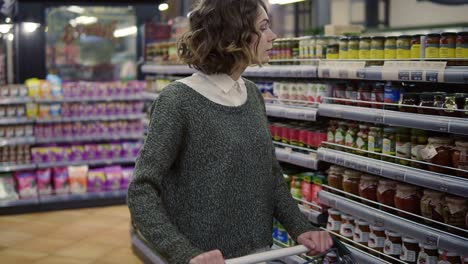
x: 403, y: 47
x: 377, y: 48
x: 364, y: 48
x: 416, y: 46
x: 343, y: 44
x: 447, y: 45
x: 461, y: 47
x: 432, y: 46
x: 390, y: 48
x: 353, y: 48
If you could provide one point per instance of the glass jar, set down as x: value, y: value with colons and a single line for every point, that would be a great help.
x: 351, y: 181
x: 408, y: 99
x: 333, y: 51
x: 331, y: 130
x: 361, y: 139
x: 364, y: 95
x: 334, y: 220
x: 377, y: 48
x: 461, y: 49
x: 392, y: 244
x: 339, y: 91
x: 361, y: 232
x: 347, y: 226
x: 343, y: 48
x: 377, y: 238
x: 386, y: 191
x: 408, y: 198
x: 388, y: 144
x: 428, y: 254
x: 447, y: 257
x: 409, y: 250
x: 454, y: 211
x: 390, y: 48
x: 454, y: 102
x: 431, y: 100
x: 432, y: 203
x: 460, y: 159
x: 351, y: 93
x: 432, y: 46
x: 403, y: 44
x: 438, y: 151
x: 368, y: 188
x: 416, y: 46
x: 340, y: 133
x: 374, y: 142
x: 353, y: 48
x: 447, y: 45
x: 321, y: 47
x: 351, y: 136
x: 391, y: 96
x: 403, y: 145
x: 335, y: 177
x: 364, y: 48
x: 377, y: 95
x: 418, y: 142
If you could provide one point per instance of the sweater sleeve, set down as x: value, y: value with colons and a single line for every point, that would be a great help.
x: 159, y: 152
x: 286, y: 209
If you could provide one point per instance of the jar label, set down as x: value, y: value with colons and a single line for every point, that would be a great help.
x: 375, y: 241
x: 403, y: 53
x: 374, y: 144
x: 461, y: 52
x: 390, y: 53
x: 423, y: 258
x: 333, y: 225
x: 415, y: 51
x: 347, y: 230
x: 387, y: 147
x: 391, y: 248
x: 364, y: 54
x: 360, y: 237
x: 428, y: 152
x: 331, y: 137
x: 350, y: 140
x: 407, y: 255
x: 377, y: 54
x: 432, y: 52
x: 447, y: 52
x: 403, y: 149
x: 339, y: 139
x: 360, y: 143
x: 415, y: 152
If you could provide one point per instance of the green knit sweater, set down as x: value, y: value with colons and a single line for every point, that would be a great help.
x: 207, y: 178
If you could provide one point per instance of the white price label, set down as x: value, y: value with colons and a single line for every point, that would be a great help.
x: 432, y: 239
x: 374, y: 169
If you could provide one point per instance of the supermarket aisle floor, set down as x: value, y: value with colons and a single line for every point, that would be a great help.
x: 95, y: 235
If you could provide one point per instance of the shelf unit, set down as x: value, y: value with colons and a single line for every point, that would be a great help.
x: 300, y: 159
x: 87, y: 139
x: 291, y: 112
x: 418, y: 231
x: 17, y: 141
x: 98, y: 162
x: 16, y: 121
x: 111, y: 98
x: 15, y: 100
x: 91, y: 118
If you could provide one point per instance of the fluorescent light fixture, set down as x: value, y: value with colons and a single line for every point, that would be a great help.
x: 7, y: 20
x: 283, y: 2
x: 11, y: 37
x: 30, y: 27
x: 76, y: 9
x: 123, y: 32
x: 5, y: 28
x: 163, y: 7
x: 83, y: 20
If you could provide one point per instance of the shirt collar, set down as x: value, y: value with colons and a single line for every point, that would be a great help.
x: 223, y: 81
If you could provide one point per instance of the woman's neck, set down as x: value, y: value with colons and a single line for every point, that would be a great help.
x: 236, y: 74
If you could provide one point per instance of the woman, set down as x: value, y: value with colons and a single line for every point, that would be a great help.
x: 207, y: 184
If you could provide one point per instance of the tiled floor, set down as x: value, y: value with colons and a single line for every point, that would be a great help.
x: 95, y: 235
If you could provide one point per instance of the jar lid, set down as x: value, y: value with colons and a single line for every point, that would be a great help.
x: 432, y: 192
x: 391, y: 37
x: 461, y: 144
x: 332, y: 211
x: 387, y: 182
x: 404, y: 36
x: 389, y: 130
x: 362, y: 222
x: 376, y: 128
x: 456, y: 200
x: 377, y: 228
x: 463, y: 33
x: 344, y: 39
x: 417, y: 35
x: 407, y: 187
x: 347, y: 217
x: 433, y: 35
x: 378, y: 38
x: 353, y: 38
x: 427, y: 246
x: 331, y: 254
x: 449, y: 34
x: 409, y: 240
x: 337, y: 168
x: 352, y: 174
x: 365, y: 38
x: 440, y: 140
x: 368, y: 177
x: 343, y: 123
x: 448, y: 253
x: 363, y: 126
x: 392, y: 233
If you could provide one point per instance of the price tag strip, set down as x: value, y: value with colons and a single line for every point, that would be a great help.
x: 429, y: 71
x: 336, y: 69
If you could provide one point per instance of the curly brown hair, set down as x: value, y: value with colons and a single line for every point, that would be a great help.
x: 220, y: 35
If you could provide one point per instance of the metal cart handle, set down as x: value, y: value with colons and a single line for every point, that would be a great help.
x: 269, y: 255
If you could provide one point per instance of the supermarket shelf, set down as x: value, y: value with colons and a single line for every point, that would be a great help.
x: 144, y: 252
x: 91, y: 118
x: 150, y: 96
x: 16, y: 167
x: 289, y: 259
x: 282, y: 71
x: 167, y: 69
x: 313, y: 216
x: 101, y: 162
x: 87, y: 139
x: 426, y: 122
x: 21, y: 202
x: 418, y: 231
x: 304, y: 160
x: 291, y: 112
x: 82, y: 197
x: 15, y: 120
x: 90, y: 99
x: 428, y: 179
x: 17, y: 141
x: 362, y: 257
x: 15, y: 100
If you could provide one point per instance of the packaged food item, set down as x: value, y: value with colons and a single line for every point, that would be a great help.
x: 377, y: 48
x: 351, y: 181
x: 408, y: 198
x: 447, y: 257
x: 323, y: 90
x: 403, y: 44
x: 386, y: 191
x: 390, y: 48
x: 347, y: 226
x: 351, y: 93
x: 377, y: 95
x: 26, y: 184
x: 407, y: 100
x: 418, y: 142
x: 340, y: 133
x: 333, y: 51
x: 374, y: 142
x: 438, y: 151
x: 353, y: 48
x: 447, y: 45
x: 361, y: 232
x: 454, y: 211
x: 343, y: 46
x: 364, y: 48
x: 334, y: 220
x: 391, y: 96
x: 335, y: 177
x: 311, y: 92
x: 377, y: 238
x: 331, y: 130
x: 428, y: 254
x: 368, y: 188
x: 389, y: 144
x: 432, y: 46
x: 96, y: 180
x: 78, y: 176
x: 461, y: 46
x: 307, y: 188
x: 435, y: 100
x: 127, y: 176
x: 416, y: 46
x: 409, y: 250
x: 33, y: 85
x: 460, y: 158
x: 403, y: 145
x: 339, y: 91
x: 60, y: 181
x: 113, y: 177
x: 11, y: 111
x: 432, y: 204
x: 44, y: 181
x: 351, y: 136
x: 393, y: 244
x: 7, y: 186
x: 362, y: 139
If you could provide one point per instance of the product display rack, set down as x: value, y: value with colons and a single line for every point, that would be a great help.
x: 428, y: 71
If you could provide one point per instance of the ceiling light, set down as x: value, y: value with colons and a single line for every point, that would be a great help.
x: 11, y: 37
x: 76, y: 9
x: 83, y: 20
x: 7, y: 20
x: 163, y: 7
x: 5, y: 28
x: 30, y: 27
x: 123, y: 32
x: 284, y: 2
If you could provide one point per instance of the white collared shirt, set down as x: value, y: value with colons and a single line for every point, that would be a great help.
x: 219, y: 88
